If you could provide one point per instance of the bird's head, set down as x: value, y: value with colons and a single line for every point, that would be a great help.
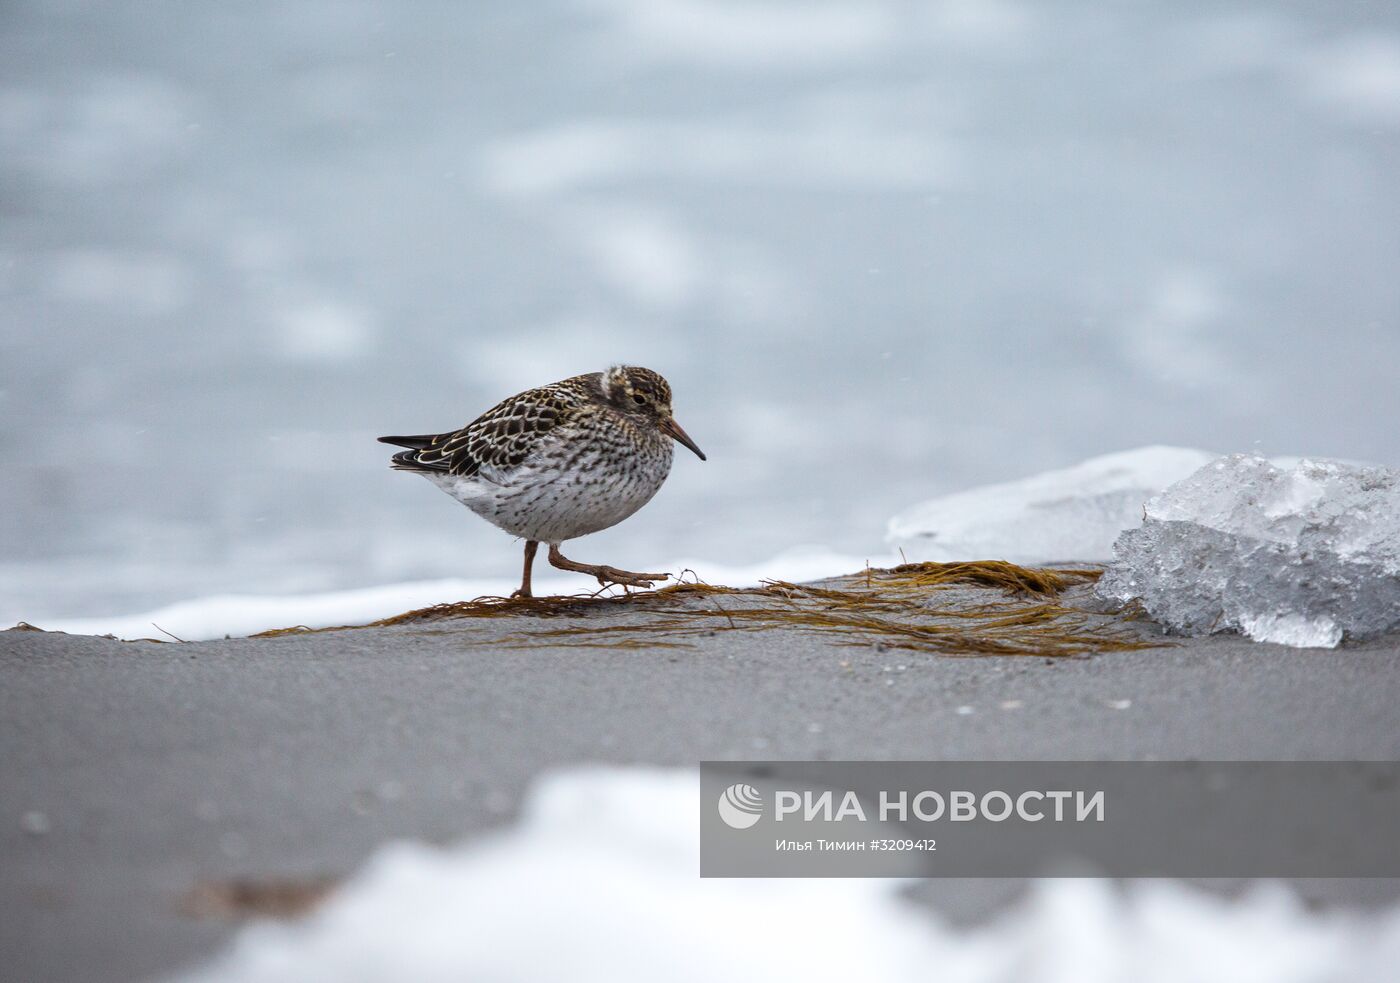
x: 644, y: 394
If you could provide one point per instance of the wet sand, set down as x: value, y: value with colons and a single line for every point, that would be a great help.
x: 135, y: 773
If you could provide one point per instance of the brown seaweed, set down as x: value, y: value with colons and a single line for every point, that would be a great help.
x: 896, y: 608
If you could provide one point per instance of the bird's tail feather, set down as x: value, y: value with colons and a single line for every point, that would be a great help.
x: 408, y: 461
x: 417, y: 443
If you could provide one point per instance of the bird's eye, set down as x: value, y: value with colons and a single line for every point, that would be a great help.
x: 639, y: 400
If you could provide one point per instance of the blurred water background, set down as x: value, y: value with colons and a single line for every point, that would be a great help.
x: 881, y: 249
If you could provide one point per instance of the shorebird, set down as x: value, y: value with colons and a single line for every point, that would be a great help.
x: 558, y: 462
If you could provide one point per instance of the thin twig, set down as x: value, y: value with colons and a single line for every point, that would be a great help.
x: 724, y: 612
x: 170, y: 633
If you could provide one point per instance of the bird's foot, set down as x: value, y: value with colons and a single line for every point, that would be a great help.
x: 606, y: 575
x: 612, y: 575
x: 521, y: 594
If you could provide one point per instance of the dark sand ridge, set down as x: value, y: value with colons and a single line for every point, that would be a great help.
x: 178, y: 782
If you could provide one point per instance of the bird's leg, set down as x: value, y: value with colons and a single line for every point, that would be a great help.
x: 605, y: 574
x: 530, y: 546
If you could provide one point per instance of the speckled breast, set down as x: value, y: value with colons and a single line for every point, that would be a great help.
x: 578, y: 485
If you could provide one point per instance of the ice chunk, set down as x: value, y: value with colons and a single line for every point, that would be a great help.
x: 1072, y: 514
x: 1300, y: 555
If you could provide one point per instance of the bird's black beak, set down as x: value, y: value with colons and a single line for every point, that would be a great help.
x: 672, y: 428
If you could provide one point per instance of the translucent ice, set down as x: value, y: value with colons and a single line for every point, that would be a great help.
x: 1301, y: 555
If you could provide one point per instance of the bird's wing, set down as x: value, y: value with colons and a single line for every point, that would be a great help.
x: 495, y: 443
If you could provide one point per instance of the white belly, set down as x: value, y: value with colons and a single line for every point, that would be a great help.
x: 553, y: 506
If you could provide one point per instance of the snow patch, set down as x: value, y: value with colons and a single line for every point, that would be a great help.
x: 598, y: 881
x: 1071, y: 514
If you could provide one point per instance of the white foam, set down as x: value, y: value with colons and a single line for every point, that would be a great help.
x: 809, y: 151
x: 764, y: 36
x: 323, y: 331
x: 1359, y: 76
x: 244, y: 614
x: 598, y: 881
